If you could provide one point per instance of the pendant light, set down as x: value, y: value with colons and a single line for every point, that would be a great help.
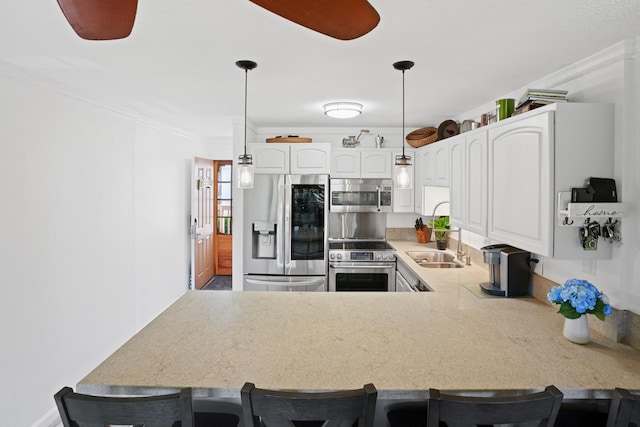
x: 245, y: 161
x: 404, y: 171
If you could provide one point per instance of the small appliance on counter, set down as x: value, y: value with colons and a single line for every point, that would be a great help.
x: 509, y: 271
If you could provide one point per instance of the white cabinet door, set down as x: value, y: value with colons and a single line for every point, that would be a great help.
x: 376, y: 163
x: 422, y: 164
x: 309, y: 159
x: 457, y: 190
x: 441, y: 163
x: 520, y: 183
x: 428, y: 165
x: 404, y: 198
x: 269, y: 158
x: 345, y: 163
x: 300, y: 158
x: 475, y: 183
x: 468, y: 182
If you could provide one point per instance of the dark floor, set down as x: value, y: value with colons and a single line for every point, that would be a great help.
x: 218, y: 283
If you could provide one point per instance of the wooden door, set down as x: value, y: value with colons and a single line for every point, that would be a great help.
x: 202, y: 221
x: 223, y: 216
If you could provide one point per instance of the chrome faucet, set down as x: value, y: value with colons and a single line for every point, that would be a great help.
x: 459, y: 253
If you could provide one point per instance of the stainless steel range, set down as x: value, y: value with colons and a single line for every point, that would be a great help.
x: 361, y: 265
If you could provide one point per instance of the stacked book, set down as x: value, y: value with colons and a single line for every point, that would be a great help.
x: 534, y: 98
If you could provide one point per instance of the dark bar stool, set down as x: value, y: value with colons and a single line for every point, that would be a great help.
x: 458, y: 411
x: 462, y: 411
x: 624, y: 410
x: 169, y: 410
x: 271, y: 408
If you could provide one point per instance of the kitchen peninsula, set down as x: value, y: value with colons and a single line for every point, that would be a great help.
x: 404, y: 343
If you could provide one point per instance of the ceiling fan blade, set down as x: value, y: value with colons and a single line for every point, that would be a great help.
x: 340, y: 19
x: 100, y: 19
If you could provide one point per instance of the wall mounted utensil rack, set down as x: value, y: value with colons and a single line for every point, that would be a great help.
x: 594, y: 221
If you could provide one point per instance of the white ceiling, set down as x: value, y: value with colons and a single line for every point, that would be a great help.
x: 178, y: 65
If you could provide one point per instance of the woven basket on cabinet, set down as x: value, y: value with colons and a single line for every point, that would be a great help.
x: 421, y: 137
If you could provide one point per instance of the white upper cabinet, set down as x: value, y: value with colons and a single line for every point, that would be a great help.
x: 361, y: 163
x: 468, y: 181
x: 534, y: 157
x: 376, y: 163
x: 269, y: 158
x: 431, y: 164
x: 476, y: 183
x: 457, y: 177
x: 441, y: 164
x: 345, y: 163
x: 298, y: 158
x: 308, y: 159
x: 521, y: 184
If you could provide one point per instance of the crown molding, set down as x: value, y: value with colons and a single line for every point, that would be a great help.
x: 30, y: 78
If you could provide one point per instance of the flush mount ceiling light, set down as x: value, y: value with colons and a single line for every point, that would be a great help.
x: 343, y: 110
x: 404, y: 171
x: 245, y: 161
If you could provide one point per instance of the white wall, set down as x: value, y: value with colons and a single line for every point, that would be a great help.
x: 93, y: 242
x: 163, y: 162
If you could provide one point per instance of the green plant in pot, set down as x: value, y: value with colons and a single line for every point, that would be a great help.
x: 439, y: 227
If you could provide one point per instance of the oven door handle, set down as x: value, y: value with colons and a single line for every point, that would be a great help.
x: 285, y: 283
x: 362, y: 266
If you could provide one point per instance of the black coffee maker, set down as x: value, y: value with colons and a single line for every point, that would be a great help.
x: 509, y: 271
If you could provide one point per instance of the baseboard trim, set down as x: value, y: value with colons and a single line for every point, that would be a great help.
x: 50, y: 419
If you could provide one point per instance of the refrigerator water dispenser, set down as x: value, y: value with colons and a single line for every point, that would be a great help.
x: 264, y: 239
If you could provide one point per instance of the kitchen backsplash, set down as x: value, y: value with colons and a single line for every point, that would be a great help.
x: 400, y: 234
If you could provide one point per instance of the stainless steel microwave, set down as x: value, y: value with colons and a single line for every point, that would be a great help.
x: 361, y: 195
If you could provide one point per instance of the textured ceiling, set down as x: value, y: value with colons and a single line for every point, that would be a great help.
x: 178, y: 65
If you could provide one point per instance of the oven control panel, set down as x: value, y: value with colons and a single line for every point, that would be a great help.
x: 361, y: 256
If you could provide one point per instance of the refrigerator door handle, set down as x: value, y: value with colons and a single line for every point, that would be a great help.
x: 283, y: 224
x: 285, y: 189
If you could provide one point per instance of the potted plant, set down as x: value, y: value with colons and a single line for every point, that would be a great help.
x: 577, y: 298
x: 440, y: 226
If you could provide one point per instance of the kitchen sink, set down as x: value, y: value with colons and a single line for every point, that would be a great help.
x: 434, y: 259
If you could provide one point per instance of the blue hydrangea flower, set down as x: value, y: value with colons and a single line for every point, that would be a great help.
x: 579, y: 297
x: 608, y: 311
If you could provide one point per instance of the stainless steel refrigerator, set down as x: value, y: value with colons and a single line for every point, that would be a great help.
x: 285, y: 233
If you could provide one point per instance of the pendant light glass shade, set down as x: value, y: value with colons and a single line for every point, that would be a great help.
x: 403, y: 170
x: 244, y: 167
x: 245, y: 171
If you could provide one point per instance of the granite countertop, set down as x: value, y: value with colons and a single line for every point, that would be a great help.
x: 404, y: 343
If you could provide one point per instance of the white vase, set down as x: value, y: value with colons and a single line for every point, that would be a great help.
x: 577, y: 330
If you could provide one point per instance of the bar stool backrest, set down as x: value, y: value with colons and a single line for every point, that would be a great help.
x: 273, y: 408
x: 624, y: 410
x: 79, y: 410
x: 534, y: 409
